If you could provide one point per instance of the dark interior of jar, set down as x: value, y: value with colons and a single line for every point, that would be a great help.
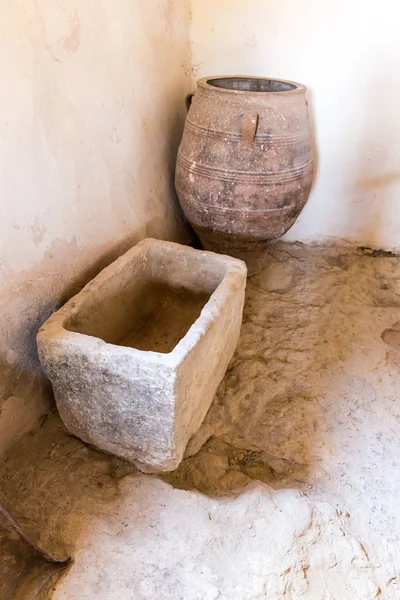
x: 249, y: 84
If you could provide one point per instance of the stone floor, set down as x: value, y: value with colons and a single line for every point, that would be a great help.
x: 291, y: 488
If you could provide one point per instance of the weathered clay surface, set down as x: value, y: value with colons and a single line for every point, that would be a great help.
x: 301, y: 477
x: 136, y: 357
x: 245, y: 164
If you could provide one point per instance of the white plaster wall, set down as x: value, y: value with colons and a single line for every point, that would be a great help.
x: 347, y: 52
x: 91, y: 112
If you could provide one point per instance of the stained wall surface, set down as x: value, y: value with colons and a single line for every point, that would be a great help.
x: 347, y: 54
x: 91, y: 115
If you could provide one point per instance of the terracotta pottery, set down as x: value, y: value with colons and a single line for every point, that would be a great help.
x: 245, y: 163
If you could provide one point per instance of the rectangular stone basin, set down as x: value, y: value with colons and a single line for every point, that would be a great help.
x: 136, y: 357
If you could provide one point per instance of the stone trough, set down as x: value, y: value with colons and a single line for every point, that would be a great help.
x: 136, y: 357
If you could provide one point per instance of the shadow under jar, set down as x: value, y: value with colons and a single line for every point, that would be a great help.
x: 245, y: 163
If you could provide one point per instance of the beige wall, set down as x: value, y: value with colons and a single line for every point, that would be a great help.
x: 91, y: 111
x: 91, y: 115
x: 347, y: 53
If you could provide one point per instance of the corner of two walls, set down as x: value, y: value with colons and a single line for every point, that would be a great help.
x: 92, y: 113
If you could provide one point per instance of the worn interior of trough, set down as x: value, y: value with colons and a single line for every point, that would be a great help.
x: 141, y: 309
x: 290, y: 488
x: 164, y: 317
x: 150, y: 303
x: 155, y: 318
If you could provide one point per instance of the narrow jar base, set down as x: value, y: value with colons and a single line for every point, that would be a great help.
x: 251, y: 251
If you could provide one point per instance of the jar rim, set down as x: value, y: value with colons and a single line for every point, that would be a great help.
x: 254, y: 84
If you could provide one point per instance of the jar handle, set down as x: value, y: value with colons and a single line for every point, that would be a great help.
x: 188, y: 101
x: 249, y: 130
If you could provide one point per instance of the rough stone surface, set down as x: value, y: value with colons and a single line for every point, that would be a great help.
x: 136, y: 357
x: 297, y: 459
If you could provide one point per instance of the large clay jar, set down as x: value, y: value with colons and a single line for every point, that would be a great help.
x: 245, y: 163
